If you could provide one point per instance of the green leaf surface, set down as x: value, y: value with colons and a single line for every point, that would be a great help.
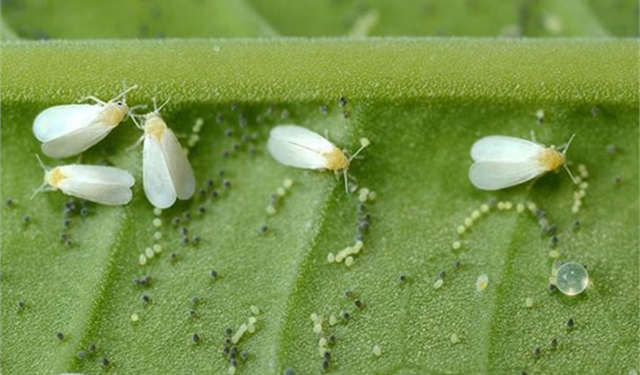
x: 81, y: 19
x: 422, y: 103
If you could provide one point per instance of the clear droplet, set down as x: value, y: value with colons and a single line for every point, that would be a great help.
x: 572, y: 278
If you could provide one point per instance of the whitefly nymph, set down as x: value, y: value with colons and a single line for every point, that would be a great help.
x: 299, y: 147
x: 501, y: 162
x: 67, y: 130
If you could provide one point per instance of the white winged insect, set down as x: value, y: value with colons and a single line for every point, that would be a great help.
x: 501, y: 162
x: 299, y: 147
x: 67, y: 130
x: 166, y: 172
x: 95, y: 183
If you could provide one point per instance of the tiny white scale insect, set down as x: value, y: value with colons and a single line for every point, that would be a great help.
x: 96, y: 183
x: 299, y: 147
x: 67, y: 130
x: 166, y: 172
x: 501, y: 162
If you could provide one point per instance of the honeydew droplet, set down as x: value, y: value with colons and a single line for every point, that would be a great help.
x: 157, y: 235
x: 149, y: 252
x: 134, y: 317
x: 322, y: 342
x: 520, y: 208
x: 287, y: 183
x: 456, y: 245
x: 584, y: 186
x: 364, y: 142
x: 377, y: 351
x: 540, y: 114
x: 482, y: 282
x: 572, y: 278
x: 314, y: 317
x: 372, y: 196
x: 468, y: 222
x: 438, y: 284
x: 461, y: 229
x: 484, y: 208
x: 508, y: 205
x: 231, y: 370
x: 157, y: 248
x: 254, y: 309
x: 532, y: 207
x: 500, y: 205
x: 251, y: 328
x: 454, y: 338
x: 271, y: 210
x: 475, y: 215
x: 362, y: 198
x: 281, y: 192
x: 142, y: 259
x: 317, y: 328
x: 528, y: 302
x: 554, y: 254
x: 331, y: 258
x: 157, y: 211
x: 157, y: 222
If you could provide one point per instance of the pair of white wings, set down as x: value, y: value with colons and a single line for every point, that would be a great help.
x: 501, y: 162
x: 100, y: 184
x: 299, y: 147
x: 167, y: 174
x: 68, y: 130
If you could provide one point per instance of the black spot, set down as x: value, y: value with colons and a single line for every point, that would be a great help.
x: 81, y: 355
x: 195, y: 300
x: 105, y: 362
x: 202, y: 193
x: 323, y: 109
x: 195, y: 239
x: 244, y: 354
x: 184, y: 240
x: 226, y: 183
x: 288, y: 371
x: 210, y: 183
x: 553, y: 240
x: 92, y: 348
x: 146, y: 298
x: 402, y: 278
x: 26, y: 219
x: 186, y: 216
x: 173, y: 256
x: 21, y: 304
x: 348, y: 293
x: 358, y: 303
x: 9, y: 202
x: 195, y: 338
x: 202, y: 209
x: 552, y: 288
x: 263, y: 228
x: 345, y: 114
x: 332, y: 339
x: 456, y: 264
x: 441, y: 275
x: 225, y: 350
x: 228, y: 132
x: 225, y: 154
x: 84, y: 211
x: 325, y: 364
x: 184, y: 231
x: 342, y: 101
x: 175, y: 221
x: 576, y: 224
x: 234, y: 106
x: 345, y: 315
x: 537, y: 352
x: 213, y: 274
x: 60, y: 336
x: 214, y: 194
x: 192, y: 313
x: 554, y: 343
x: 228, y: 331
x: 570, y: 323
x: 327, y: 355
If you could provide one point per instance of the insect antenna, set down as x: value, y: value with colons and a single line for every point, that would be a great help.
x: 566, y: 147
x: 123, y: 94
x: 44, y: 184
x: 155, y: 105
